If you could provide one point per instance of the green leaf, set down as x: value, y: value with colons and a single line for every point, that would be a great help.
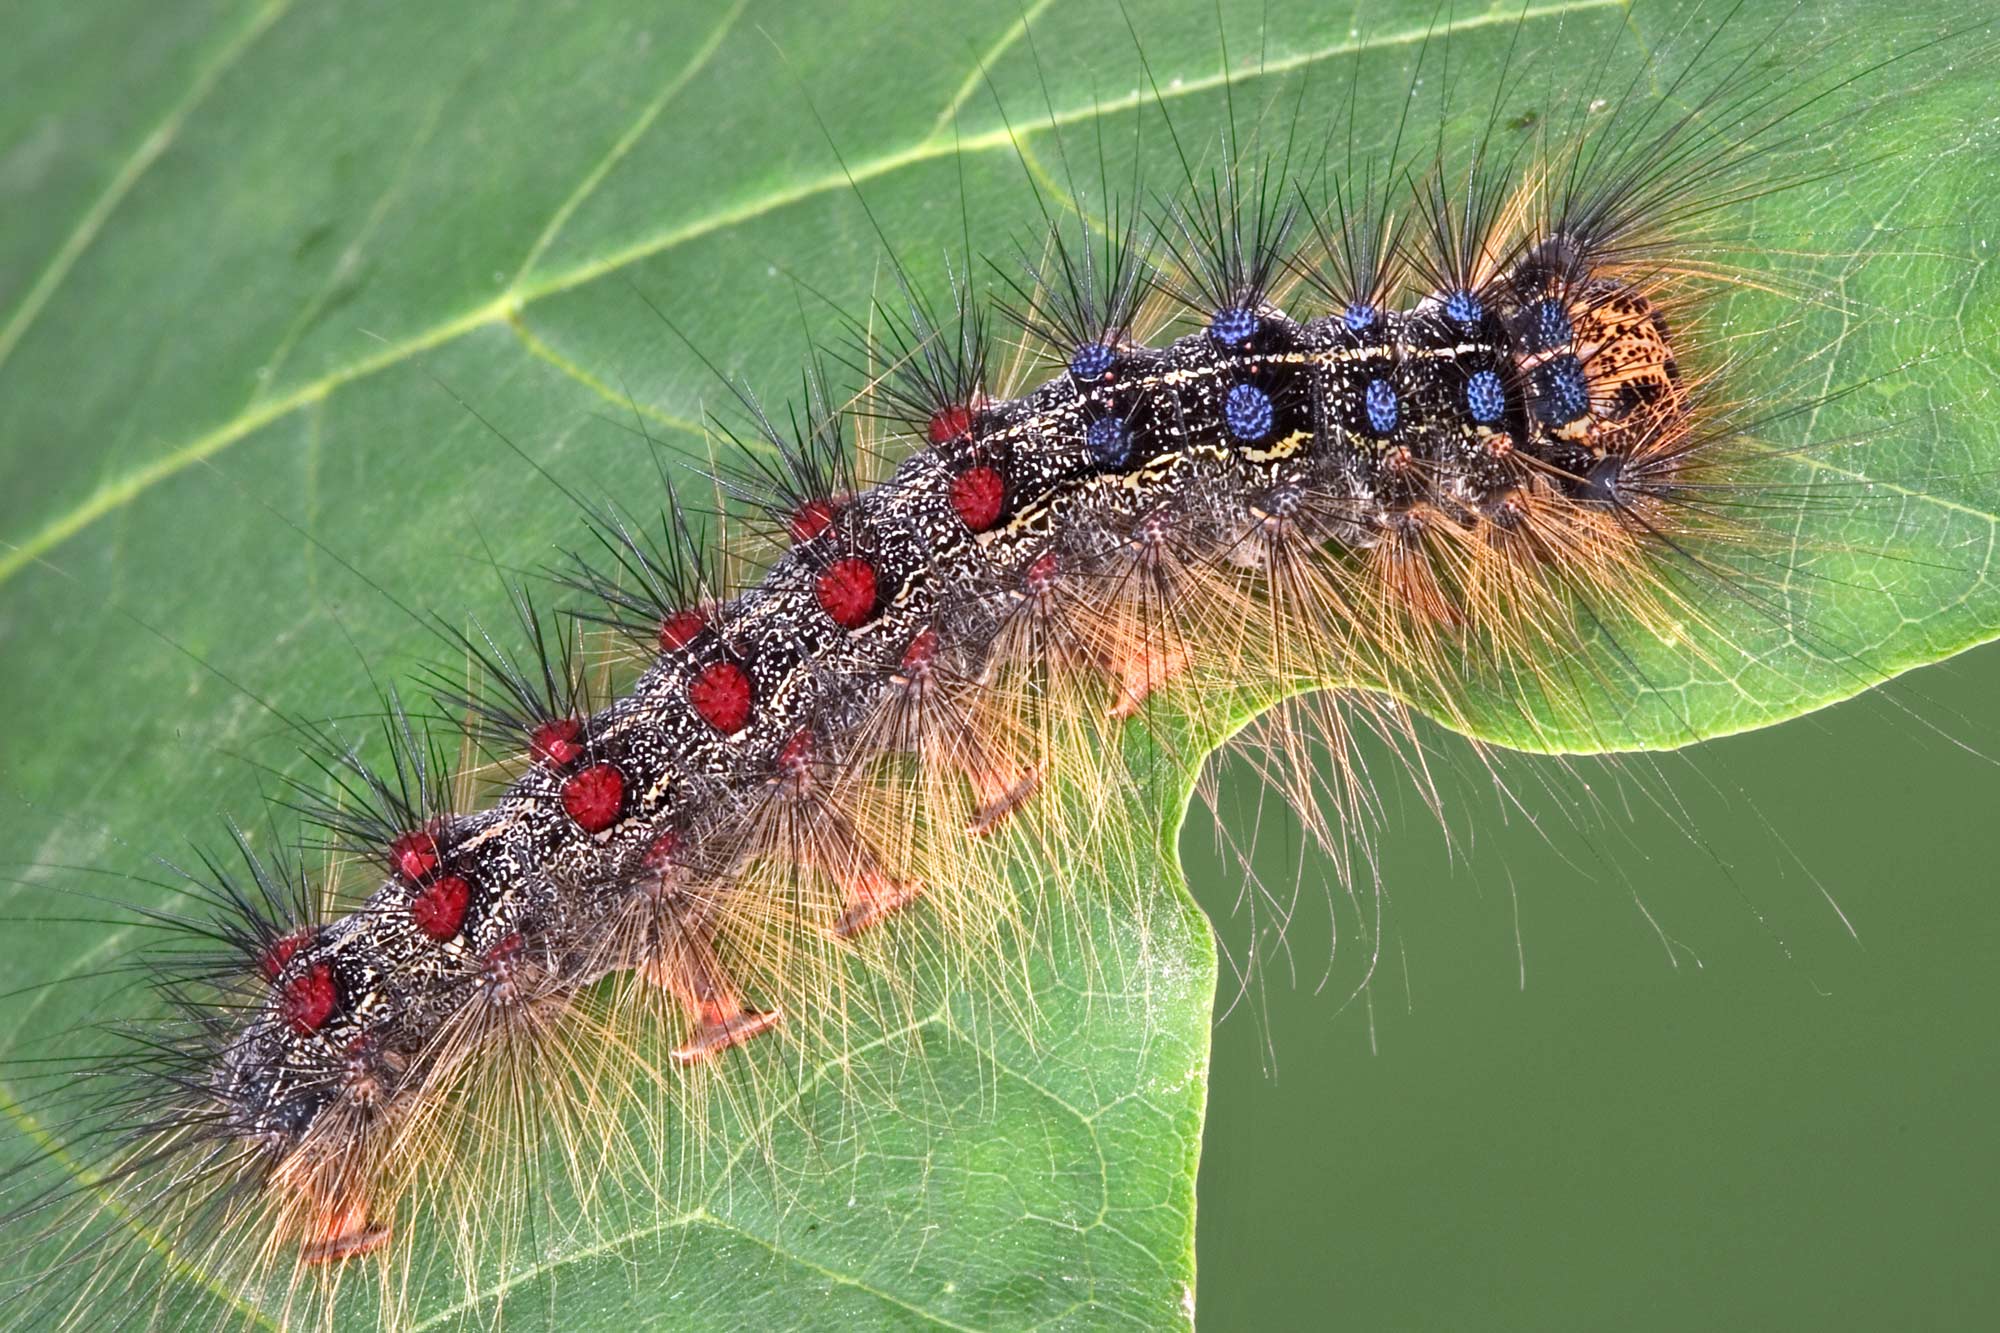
x: 254, y: 257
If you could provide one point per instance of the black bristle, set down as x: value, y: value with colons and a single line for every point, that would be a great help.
x: 515, y: 695
x: 641, y: 575
x: 362, y: 809
x: 1080, y: 291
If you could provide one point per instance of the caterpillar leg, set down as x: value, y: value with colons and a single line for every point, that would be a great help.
x: 721, y: 1026
x: 934, y: 717
x: 343, y: 1233
x: 692, y: 975
x: 1140, y: 670
x: 1000, y: 785
x: 321, y: 1199
x: 868, y: 892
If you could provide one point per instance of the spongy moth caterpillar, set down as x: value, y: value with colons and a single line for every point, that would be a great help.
x: 1248, y: 388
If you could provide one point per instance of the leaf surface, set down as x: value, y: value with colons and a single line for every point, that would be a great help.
x: 268, y: 272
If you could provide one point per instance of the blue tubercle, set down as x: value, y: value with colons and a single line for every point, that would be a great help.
x: 1233, y: 328
x: 1248, y: 414
x: 1549, y: 327
x: 1380, y: 400
x: 1359, y: 315
x: 1464, y: 307
x: 1092, y: 361
x: 1108, y: 441
x: 1485, y: 397
x: 1562, y: 391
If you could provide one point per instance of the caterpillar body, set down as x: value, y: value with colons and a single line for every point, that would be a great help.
x: 1353, y: 430
x: 1412, y: 430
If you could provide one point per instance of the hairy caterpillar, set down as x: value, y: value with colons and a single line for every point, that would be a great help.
x: 1513, y: 266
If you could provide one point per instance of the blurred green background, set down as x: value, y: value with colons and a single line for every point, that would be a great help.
x: 1780, y: 1127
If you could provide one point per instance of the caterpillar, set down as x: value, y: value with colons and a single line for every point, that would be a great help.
x: 1467, y: 425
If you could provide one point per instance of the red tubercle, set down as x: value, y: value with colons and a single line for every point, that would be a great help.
x: 978, y: 495
x: 720, y: 696
x: 414, y: 854
x: 439, y: 909
x: 556, y: 743
x: 846, y: 591
x: 272, y: 961
x: 594, y: 797
x: 681, y: 629
x: 923, y: 649
x: 949, y: 422
x: 500, y: 958
x: 660, y: 853
x: 796, y: 759
x: 810, y: 519
x: 308, y: 999
x: 1041, y: 575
